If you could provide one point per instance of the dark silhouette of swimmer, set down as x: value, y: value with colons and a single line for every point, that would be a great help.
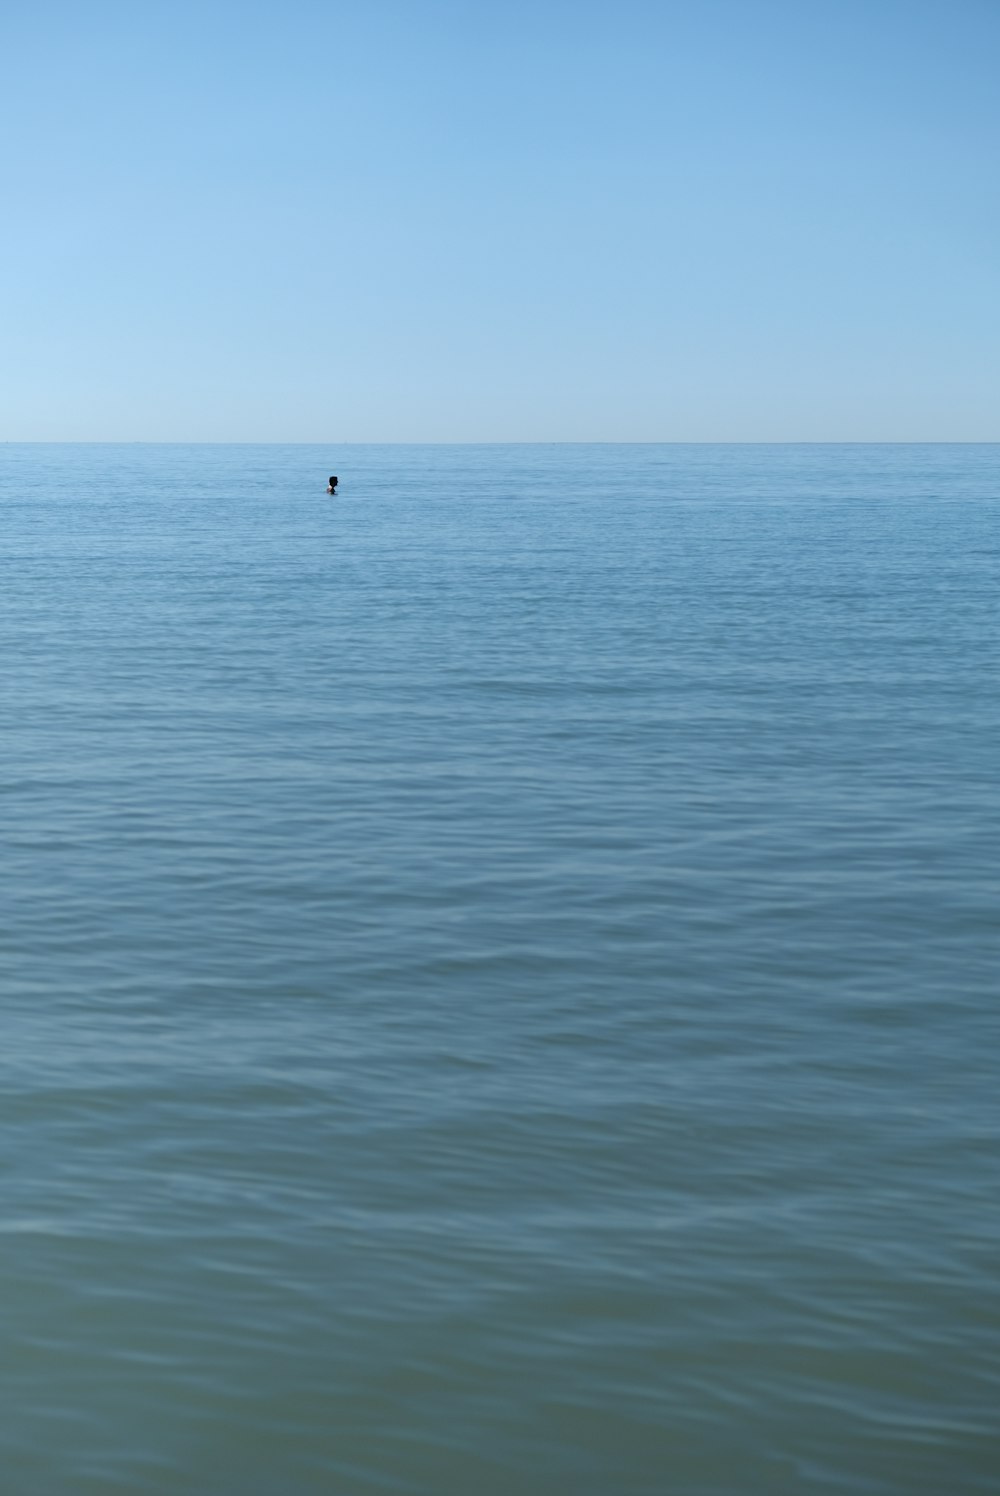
x: 332, y: 486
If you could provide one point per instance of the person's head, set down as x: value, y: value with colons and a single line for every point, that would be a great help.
x: 333, y: 482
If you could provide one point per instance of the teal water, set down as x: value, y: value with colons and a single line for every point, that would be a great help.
x: 500, y: 971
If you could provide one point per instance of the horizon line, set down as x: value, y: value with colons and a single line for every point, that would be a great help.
x: 536, y: 442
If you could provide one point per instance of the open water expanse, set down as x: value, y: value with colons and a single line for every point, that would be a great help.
x: 500, y: 971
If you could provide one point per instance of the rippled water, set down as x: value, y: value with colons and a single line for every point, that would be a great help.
x: 499, y: 971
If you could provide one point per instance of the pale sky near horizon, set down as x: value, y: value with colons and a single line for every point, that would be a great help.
x: 732, y: 220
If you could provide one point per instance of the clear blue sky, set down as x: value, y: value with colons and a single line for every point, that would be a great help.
x: 500, y: 220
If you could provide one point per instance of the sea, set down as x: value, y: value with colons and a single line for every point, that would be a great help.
x: 500, y: 970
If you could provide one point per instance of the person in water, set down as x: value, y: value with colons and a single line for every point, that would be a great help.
x: 332, y: 486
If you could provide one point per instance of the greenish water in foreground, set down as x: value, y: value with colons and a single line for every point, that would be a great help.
x: 499, y: 971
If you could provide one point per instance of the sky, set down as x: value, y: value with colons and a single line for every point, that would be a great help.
x: 500, y: 220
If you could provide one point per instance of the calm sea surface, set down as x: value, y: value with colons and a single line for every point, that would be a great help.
x: 500, y: 971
